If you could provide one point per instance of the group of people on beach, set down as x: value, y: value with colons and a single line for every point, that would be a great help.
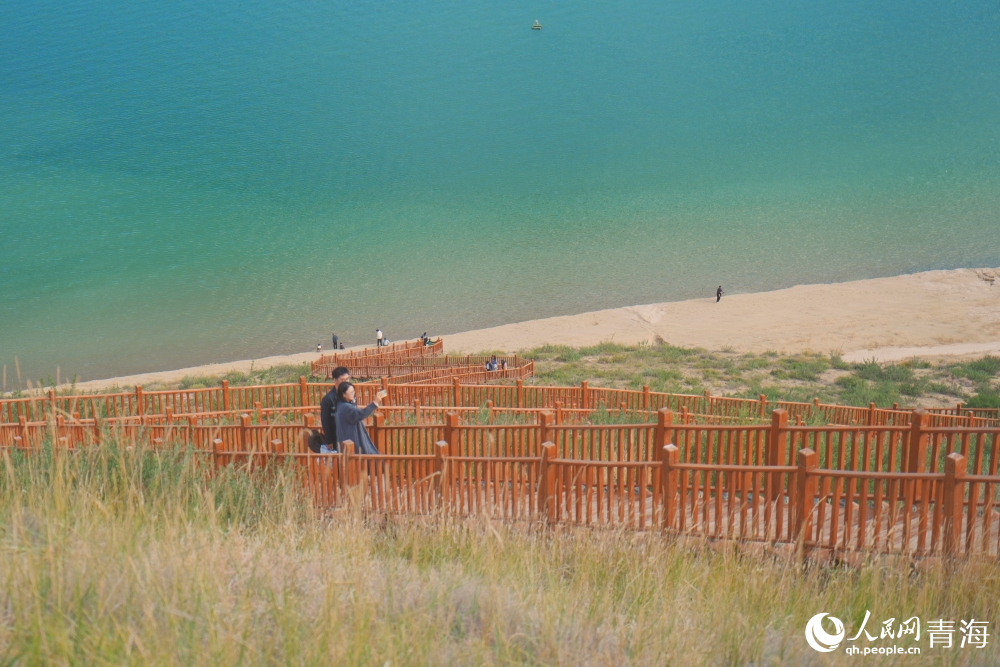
x: 342, y: 419
x: 494, y: 365
x: 380, y: 341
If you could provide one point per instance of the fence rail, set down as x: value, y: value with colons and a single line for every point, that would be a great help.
x: 918, y: 490
x: 395, y: 352
x: 475, y: 389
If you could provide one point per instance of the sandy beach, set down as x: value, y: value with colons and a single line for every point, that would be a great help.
x: 930, y: 314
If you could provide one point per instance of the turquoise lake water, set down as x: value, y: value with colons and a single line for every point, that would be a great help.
x: 190, y: 182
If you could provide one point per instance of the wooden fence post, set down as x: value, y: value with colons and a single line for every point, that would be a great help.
x: 808, y: 462
x: 777, y: 442
x: 441, y: 487
x: 97, y: 428
x: 546, y: 483
x: 139, y: 407
x: 871, y: 414
x: 663, y: 434
x: 545, y: 421
x: 310, y: 424
x: 52, y: 401
x: 520, y: 393
x: 668, y: 480
x: 955, y: 468
x: 584, y: 395
x: 707, y: 396
x: 227, y: 402
x: 22, y: 423
x: 763, y: 404
x: 216, y: 442
x: 303, y: 391
x: 304, y: 441
x: 244, y: 432
x: 456, y: 395
x: 645, y: 397
x: 451, y: 433
x: 350, y: 476
x: 917, y: 446
x: 559, y: 413
x: 378, y: 432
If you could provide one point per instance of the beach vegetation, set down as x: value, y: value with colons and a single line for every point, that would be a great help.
x: 979, y: 371
x: 799, y: 377
x: 801, y: 367
x: 985, y: 399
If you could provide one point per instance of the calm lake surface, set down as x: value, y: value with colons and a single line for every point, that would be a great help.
x: 189, y: 182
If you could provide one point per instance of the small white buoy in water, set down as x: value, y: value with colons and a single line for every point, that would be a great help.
x: 537, y: 26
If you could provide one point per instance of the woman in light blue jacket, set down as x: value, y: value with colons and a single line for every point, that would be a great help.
x: 351, y: 419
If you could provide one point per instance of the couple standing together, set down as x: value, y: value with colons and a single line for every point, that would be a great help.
x: 342, y: 419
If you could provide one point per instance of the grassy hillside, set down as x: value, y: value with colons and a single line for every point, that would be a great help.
x: 780, y: 377
x: 802, y: 377
x: 116, y: 556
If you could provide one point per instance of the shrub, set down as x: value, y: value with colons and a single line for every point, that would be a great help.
x: 981, y: 370
x: 984, y: 399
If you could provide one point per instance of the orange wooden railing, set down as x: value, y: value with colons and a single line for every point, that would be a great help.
x: 394, y: 352
x: 464, y: 391
x: 920, y: 490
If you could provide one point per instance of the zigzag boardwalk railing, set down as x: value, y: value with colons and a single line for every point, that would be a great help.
x: 459, y: 392
x: 395, y: 352
x: 919, y: 490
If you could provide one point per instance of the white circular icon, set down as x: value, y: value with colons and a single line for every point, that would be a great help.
x: 819, y: 638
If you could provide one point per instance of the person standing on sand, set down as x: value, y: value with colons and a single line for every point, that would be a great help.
x: 328, y: 410
x: 378, y: 338
x: 718, y: 294
x: 351, y: 419
x: 336, y: 342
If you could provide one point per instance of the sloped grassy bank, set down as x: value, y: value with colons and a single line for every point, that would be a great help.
x: 118, y: 556
x: 800, y: 377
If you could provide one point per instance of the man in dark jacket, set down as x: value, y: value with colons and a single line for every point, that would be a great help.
x: 327, y: 409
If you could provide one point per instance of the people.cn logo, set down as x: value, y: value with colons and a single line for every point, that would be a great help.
x: 819, y: 638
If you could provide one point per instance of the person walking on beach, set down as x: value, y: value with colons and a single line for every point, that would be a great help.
x: 328, y: 410
x: 378, y: 338
x: 718, y: 294
x: 351, y: 419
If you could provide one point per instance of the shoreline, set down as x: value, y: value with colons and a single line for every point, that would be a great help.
x: 954, y: 313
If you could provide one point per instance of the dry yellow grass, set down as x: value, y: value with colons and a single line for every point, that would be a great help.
x: 115, y: 556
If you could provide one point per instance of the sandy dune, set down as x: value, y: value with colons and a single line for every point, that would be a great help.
x: 930, y: 314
